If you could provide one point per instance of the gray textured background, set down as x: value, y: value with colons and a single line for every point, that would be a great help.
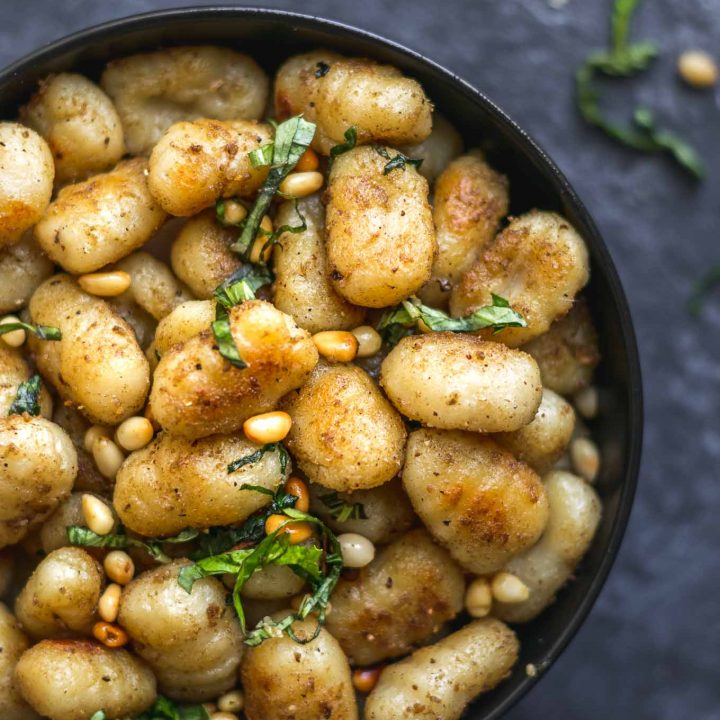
x: 651, y: 647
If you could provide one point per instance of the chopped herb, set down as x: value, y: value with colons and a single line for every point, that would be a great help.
x: 396, y: 323
x: 350, y: 142
x: 165, y: 709
x: 44, y: 332
x: 292, y: 138
x: 399, y: 161
x: 258, y: 454
x: 263, y: 156
x: 343, y: 511
x: 318, y: 567
x: 322, y: 69
x: 242, y: 284
x: 623, y: 59
x: 224, y: 339
x: 28, y: 397
x: 99, y: 715
x: 702, y: 287
x: 272, y: 237
x: 120, y: 540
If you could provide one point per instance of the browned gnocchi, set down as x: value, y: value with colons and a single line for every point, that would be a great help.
x: 293, y: 453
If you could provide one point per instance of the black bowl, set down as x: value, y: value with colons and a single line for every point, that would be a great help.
x: 270, y: 35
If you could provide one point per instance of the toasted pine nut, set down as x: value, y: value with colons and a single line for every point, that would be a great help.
x: 14, y: 338
x: 698, y: 68
x: 109, y: 634
x: 234, y: 212
x: 478, y: 598
x: 369, y: 341
x: 301, y: 184
x: 365, y: 679
x: 308, y: 161
x: 585, y: 458
x: 105, y: 284
x: 509, y: 588
x: 587, y: 402
x: 224, y: 716
x: 93, y: 433
x: 119, y: 567
x: 297, y: 531
x: 261, y: 250
x: 109, y: 603
x: 233, y: 701
x: 134, y: 433
x: 268, y: 427
x: 295, y: 486
x: 98, y: 516
x: 336, y: 345
x: 108, y: 457
x: 357, y: 551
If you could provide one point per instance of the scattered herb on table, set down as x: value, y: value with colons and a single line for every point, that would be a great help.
x: 702, y: 288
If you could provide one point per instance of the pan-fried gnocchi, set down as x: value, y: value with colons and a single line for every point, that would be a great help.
x: 283, y: 404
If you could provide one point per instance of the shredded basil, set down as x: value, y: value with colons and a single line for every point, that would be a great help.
x: 224, y: 339
x: 44, y: 332
x: 322, y: 69
x: 292, y: 138
x: 399, y: 161
x: 319, y: 567
x: 702, y: 288
x: 396, y: 323
x: 343, y: 511
x: 263, y: 156
x: 120, y: 540
x: 624, y: 59
x: 165, y: 709
x: 28, y: 397
x: 350, y: 142
x: 99, y: 715
x: 258, y: 454
x: 242, y: 284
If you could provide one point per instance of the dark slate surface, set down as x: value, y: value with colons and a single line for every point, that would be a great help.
x: 650, y: 648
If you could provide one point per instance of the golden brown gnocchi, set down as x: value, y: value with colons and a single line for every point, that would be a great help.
x: 23, y: 266
x: 380, y: 235
x: 79, y: 123
x: 474, y: 497
x: 13, y: 643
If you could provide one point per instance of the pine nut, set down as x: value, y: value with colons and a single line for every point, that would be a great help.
x: 587, y: 402
x: 109, y: 603
x: 108, y: 457
x: 224, y: 716
x: 134, y: 433
x: 109, y: 634
x: 509, y: 588
x: 365, y: 679
x: 585, y: 458
x: 369, y: 341
x: 297, y: 532
x: 119, y: 567
x: 233, y: 701
x: 234, y: 212
x: 105, y: 284
x: 93, y: 433
x: 295, y: 486
x: 698, y: 68
x: 301, y: 184
x: 308, y: 161
x: 336, y: 345
x: 478, y: 598
x: 98, y: 516
x: 261, y: 250
x: 357, y: 551
x: 14, y: 338
x: 268, y: 427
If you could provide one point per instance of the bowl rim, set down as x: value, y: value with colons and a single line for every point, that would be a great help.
x: 534, y: 152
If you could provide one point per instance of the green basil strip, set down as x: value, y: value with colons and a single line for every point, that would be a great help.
x: 242, y: 284
x: 343, y: 511
x: 292, y: 138
x: 224, y: 339
x: 399, y: 161
x: 44, y: 332
x: 165, y: 709
x: 350, y: 142
x: 28, y: 397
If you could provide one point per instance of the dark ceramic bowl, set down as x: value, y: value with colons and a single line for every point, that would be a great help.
x: 270, y: 35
